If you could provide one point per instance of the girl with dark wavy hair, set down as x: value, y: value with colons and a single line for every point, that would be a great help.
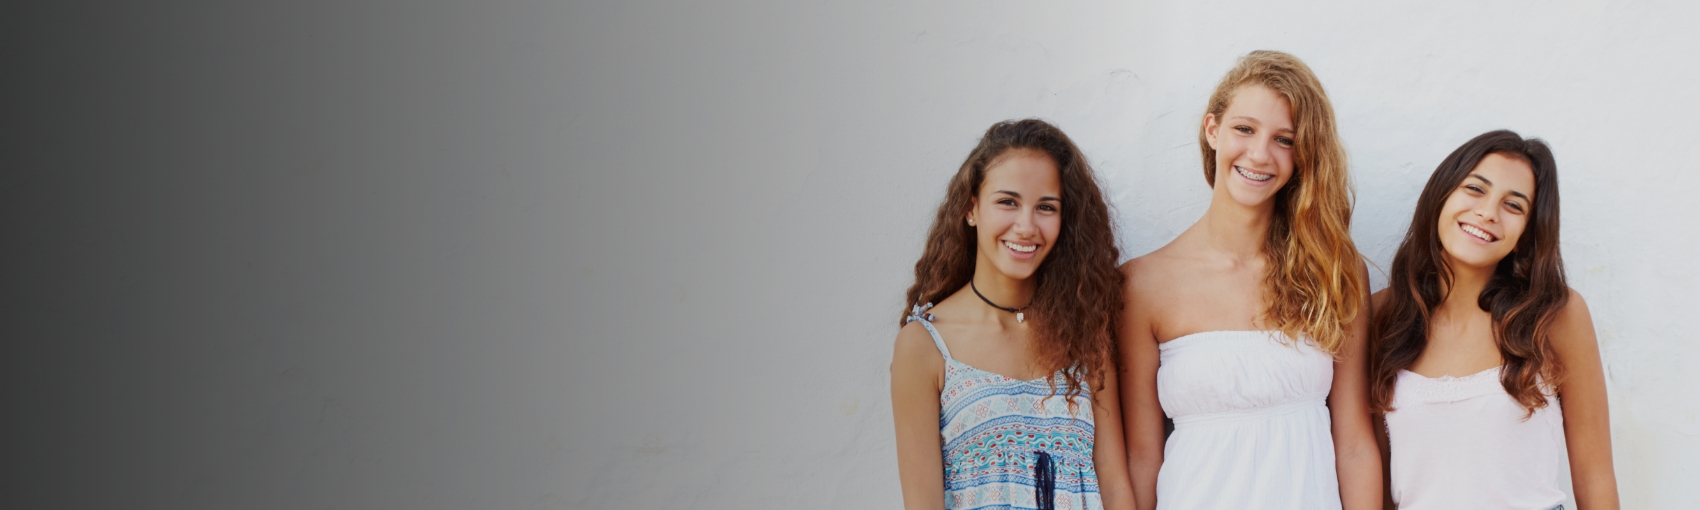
x: 1479, y: 340
x: 1248, y: 330
x: 1003, y: 383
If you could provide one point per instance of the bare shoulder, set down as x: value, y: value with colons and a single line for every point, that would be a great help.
x: 1147, y: 272
x: 1132, y: 267
x: 1362, y: 276
x: 1575, y: 309
x: 1379, y: 298
x: 916, y: 364
x: 1573, y: 327
x: 915, y: 345
x: 1141, y: 284
x: 1572, y: 334
x: 1133, y: 274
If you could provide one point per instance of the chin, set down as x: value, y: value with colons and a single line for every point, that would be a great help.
x: 1251, y: 198
x: 1017, y: 271
x: 1475, y: 259
x: 1486, y: 261
x: 1021, y: 273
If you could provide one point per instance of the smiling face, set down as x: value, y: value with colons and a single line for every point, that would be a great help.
x: 1017, y: 213
x: 1253, y: 139
x: 1485, y: 215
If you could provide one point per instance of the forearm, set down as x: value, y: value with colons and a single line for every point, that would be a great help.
x: 1142, y: 471
x: 1115, y: 492
x: 1594, y: 481
x: 914, y: 499
x: 1378, y: 424
x: 1359, y: 467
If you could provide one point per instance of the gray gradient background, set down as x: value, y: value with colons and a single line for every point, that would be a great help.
x: 650, y: 254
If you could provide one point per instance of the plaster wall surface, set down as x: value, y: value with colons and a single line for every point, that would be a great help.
x: 638, y: 255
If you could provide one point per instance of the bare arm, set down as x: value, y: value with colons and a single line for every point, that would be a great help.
x: 917, y: 376
x: 1587, y: 422
x: 1108, y: 454
x: 1142, y: 414
x: 1378, y: 420
x: 1357, y: 461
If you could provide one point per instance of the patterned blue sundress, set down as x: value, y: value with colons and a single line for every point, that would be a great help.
x: 1006, y: 443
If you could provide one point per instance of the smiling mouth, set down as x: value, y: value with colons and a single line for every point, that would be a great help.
x: 1256, y: 176
x: 1478, y: 233
x: 1030, y: 248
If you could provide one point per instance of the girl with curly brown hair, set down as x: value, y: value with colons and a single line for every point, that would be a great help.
x: 1248, y: 329
x: 1003, y: 383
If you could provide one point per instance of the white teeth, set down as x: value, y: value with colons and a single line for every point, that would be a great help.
x: 1254, y: 176
x: 1478, y: 233
x: 1019, y: 248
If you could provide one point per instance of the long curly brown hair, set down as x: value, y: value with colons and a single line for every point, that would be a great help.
x: 1312, y: 286
x: 1524, y: 297
x: 1078, y: 293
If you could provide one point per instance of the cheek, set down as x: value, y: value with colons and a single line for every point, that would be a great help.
x: 987, y: 233
x: 1051, y: 226
x: 1226, y: 151
x: 1515, y: 229
x: 1446, y: 215
x: 1456, y: 203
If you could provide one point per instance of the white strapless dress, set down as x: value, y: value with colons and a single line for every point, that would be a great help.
x: 1251, y: 423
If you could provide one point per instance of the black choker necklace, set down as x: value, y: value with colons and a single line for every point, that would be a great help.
x: 1019, y: 316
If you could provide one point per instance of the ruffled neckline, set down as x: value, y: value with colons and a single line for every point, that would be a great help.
x: 1420, y: 388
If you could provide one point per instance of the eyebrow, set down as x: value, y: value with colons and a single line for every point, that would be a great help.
x: 1259, y: 122
x: 1513, y: 193
x: 1018, y: 195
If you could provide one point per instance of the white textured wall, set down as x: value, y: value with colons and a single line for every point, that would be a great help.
x: 645, y: 255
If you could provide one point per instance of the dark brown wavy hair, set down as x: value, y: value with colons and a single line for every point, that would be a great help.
x: 1078, y: 293
x: 1524, y: 296
x: 1312, y: 286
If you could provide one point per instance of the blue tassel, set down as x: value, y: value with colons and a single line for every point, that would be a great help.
x: 1044, y: 481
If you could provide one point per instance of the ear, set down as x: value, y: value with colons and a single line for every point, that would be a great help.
x: 1210, y: 126
x: 973, y: 211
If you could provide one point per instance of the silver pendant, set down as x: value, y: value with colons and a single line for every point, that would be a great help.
x: 1020, y: 317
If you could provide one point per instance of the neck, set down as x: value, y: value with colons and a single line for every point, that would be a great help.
x: 1001, y: 289
x: 1463, y: 295
x: 1234, y: 228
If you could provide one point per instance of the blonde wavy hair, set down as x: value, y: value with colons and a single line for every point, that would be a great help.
x: 1312, y: 286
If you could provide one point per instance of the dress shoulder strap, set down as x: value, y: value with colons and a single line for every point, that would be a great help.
x: 919, y: 313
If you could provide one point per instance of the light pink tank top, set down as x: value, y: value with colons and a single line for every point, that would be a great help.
x: 1462, y: 442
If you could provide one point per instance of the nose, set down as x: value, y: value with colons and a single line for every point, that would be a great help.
x: 1258, y: 152
x: 1487, y: 210
x: 1024, y: 221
